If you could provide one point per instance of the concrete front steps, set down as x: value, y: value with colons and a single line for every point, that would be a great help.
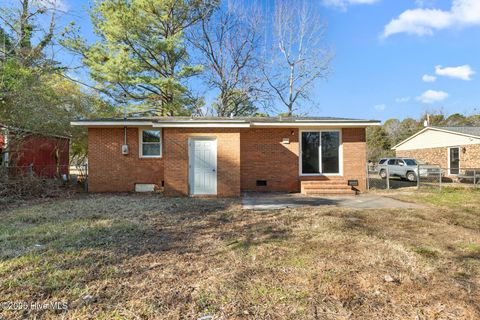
x: 326, y: 188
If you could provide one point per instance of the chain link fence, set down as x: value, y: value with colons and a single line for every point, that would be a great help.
x: 79, y: 174
x: 385, y: 177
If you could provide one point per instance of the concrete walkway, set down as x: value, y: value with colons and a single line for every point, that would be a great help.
x: 271, y: 201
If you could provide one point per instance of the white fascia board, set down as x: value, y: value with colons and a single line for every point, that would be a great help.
x: 111, y: 123
x: 205, y: 121
x: 316, y: 124
x: 201, y: 125
x: 187, y: 124
x: 220, y: 124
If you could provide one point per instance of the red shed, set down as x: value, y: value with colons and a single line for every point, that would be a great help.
x: 46, y: 155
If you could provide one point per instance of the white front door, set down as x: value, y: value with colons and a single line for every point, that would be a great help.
x: 203, y: 166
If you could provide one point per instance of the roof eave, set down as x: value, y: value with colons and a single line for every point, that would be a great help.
x: 221, y: 124
x: 312, y: 124
x: 201, y: 125
x: 112, y: 123
x: 163, y: 124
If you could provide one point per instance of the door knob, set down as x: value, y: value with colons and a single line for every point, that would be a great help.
x: 213, y: 170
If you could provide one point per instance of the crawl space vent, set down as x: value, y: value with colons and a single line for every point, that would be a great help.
x: 261, y: 183
x: 144, y: 187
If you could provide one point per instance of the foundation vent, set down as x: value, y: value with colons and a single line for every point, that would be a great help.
x: 144, y: 187
x: 261, y: 183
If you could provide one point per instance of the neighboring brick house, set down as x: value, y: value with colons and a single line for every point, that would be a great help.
x: 455, y: 149
x: 24, y: 151
x: 225, y: 156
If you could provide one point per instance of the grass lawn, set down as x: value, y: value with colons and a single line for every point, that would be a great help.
x: 148, y: 257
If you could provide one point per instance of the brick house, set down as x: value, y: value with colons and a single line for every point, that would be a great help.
x: 225, y: 156
x: 456, y: 149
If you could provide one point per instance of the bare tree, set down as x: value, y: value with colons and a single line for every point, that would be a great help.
x: 228, y: 41
x: 21, y: 27
x: 299, y: 57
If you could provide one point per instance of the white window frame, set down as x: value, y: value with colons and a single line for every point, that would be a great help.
x: 450, y: 163
x: 340, y: 154
x: 140, y: 142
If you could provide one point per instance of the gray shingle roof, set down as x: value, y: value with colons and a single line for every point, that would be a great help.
x: 473, y: 131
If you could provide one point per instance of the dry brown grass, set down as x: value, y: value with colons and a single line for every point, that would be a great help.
x: 148, y: 257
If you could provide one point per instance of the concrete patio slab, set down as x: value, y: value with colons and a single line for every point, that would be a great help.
x: 272, y: 201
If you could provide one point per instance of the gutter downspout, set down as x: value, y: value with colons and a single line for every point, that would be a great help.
x: 125, y: 150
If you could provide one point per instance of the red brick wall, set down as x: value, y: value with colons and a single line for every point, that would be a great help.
x: 176, y: 160
x: 243, y: 157
x: 110, y: 171
x: 355, y: 156
x: 265, y: 157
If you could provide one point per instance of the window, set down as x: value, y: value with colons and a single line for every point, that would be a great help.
x: 331, y: 152
x: 150, y: 143
x: 410, y: 162
x: 392, y: 162
x: 382, y: 161
x: 320, y: 152
x: 310, y: 152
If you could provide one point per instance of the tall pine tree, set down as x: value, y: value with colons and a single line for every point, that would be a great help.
x: 140, y: 56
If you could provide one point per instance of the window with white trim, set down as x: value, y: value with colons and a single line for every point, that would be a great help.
x: 150, y: 143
